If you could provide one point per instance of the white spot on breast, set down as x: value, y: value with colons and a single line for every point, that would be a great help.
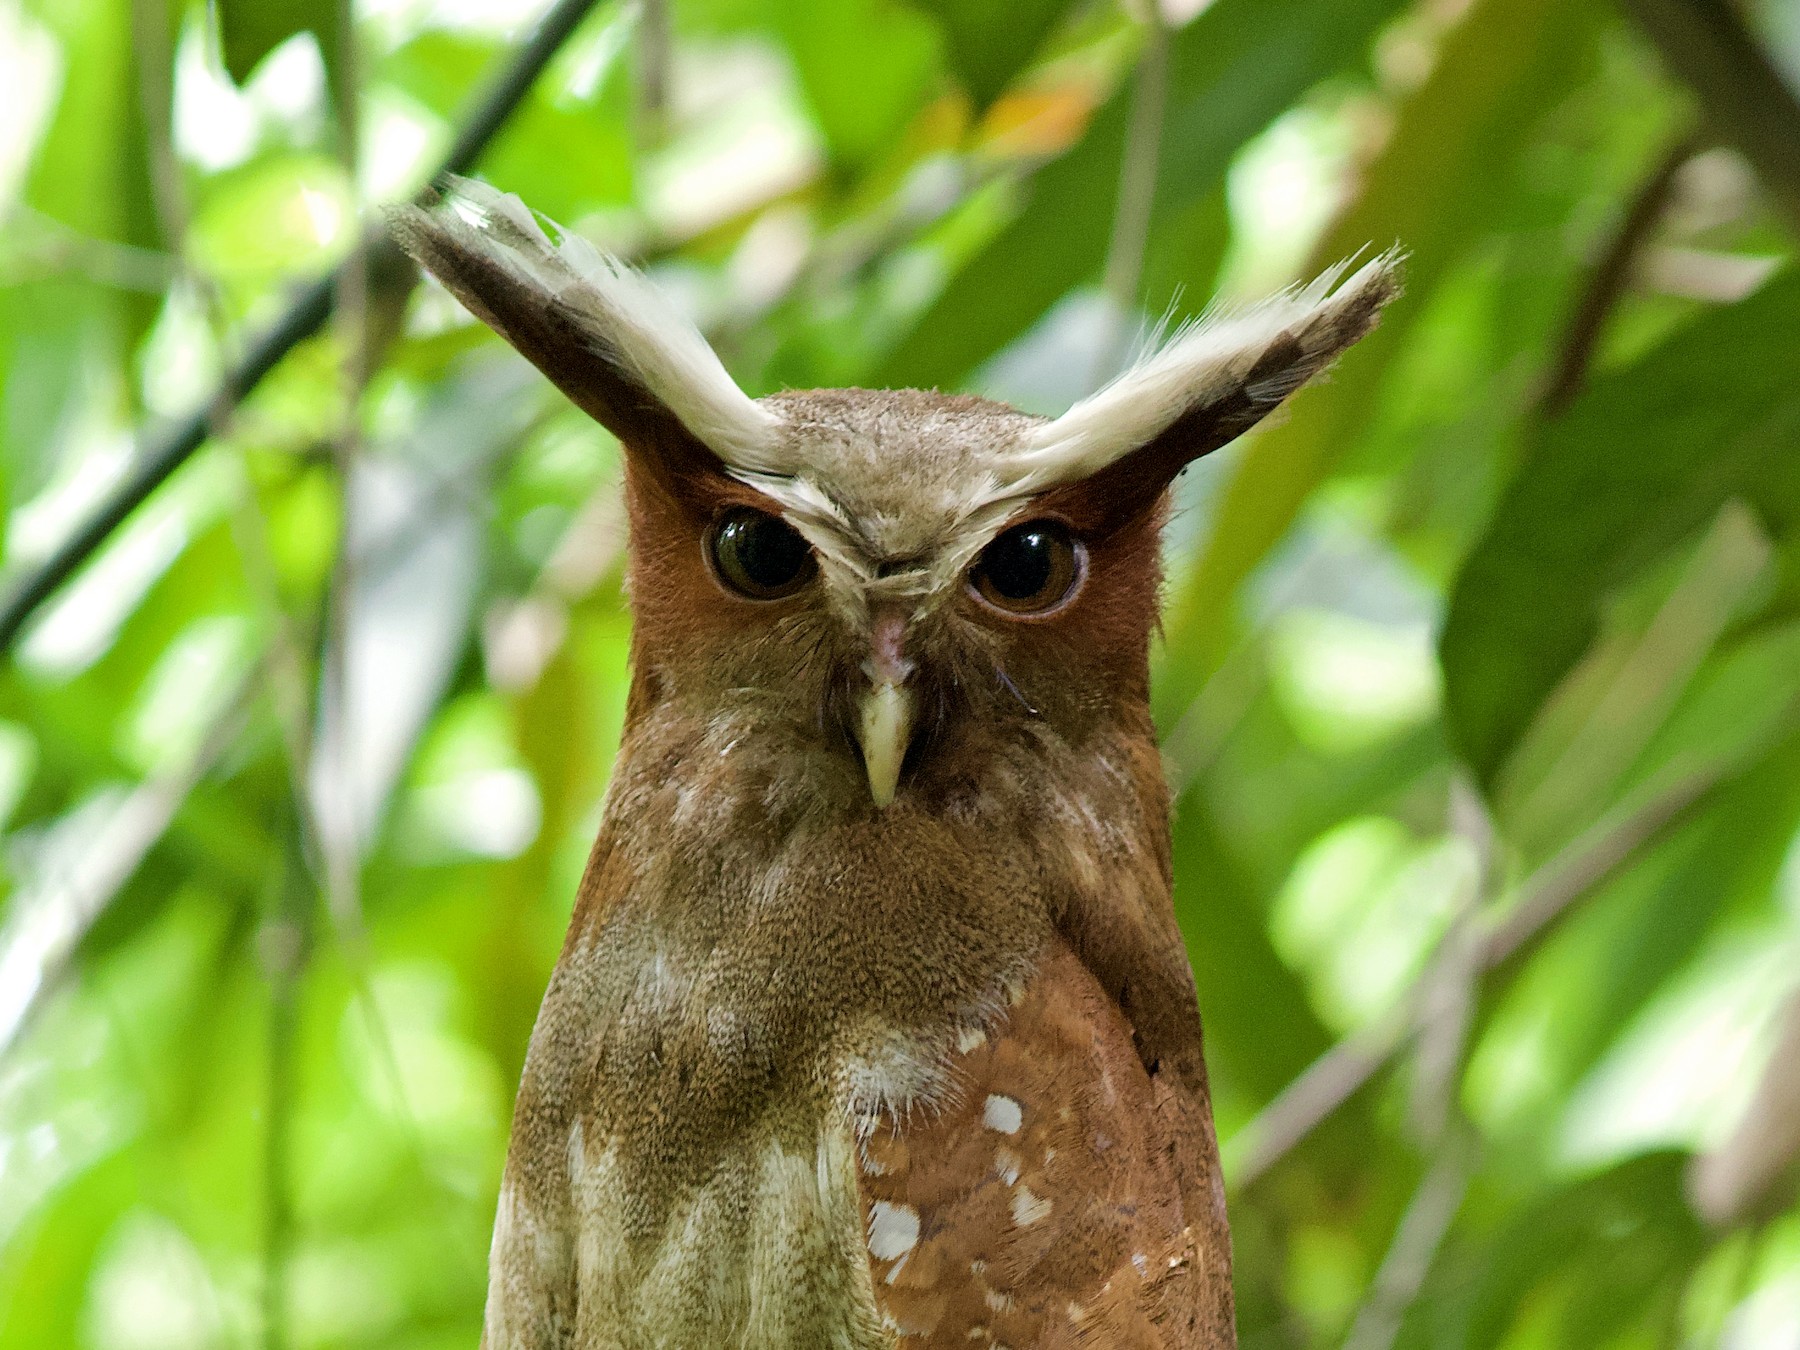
x: 893, y: 1230
x: 1007, y: 1165
x: 970, y: 1038
x: 1140, y: 1264
x: 1003, y: 1114
x: 891, y: 1072
x: 998, y: 1301
x: 1027, y: 1208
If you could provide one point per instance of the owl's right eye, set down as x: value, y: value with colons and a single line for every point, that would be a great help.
x: 759, y: 555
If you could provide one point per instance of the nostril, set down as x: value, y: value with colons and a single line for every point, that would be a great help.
x: 888, y: 663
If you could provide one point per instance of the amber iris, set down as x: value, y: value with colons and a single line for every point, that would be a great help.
x: 759, y: 555
x: 1030, y: 569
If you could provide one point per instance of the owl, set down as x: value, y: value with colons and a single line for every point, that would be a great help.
x: 873, y: 1026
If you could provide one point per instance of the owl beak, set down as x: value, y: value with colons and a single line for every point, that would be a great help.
x: 885, y: 720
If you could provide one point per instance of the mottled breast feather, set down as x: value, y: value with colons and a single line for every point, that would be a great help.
x: 1044, y: 1206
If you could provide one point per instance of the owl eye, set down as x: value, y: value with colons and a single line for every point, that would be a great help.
x: 759, y: 555
x: 1030, y: 569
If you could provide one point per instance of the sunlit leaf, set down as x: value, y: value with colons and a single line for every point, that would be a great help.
x: 1433, y: 191
x: 1639, y: 463
x: 250, y: 29
x: 1230, y: 72
x: 865, y: 66
x: 990, y: 41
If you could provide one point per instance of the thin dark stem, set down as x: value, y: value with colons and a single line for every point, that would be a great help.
x: 655, y: 44
x: 1575, y: 353
x: 1416, y: 1244
x: 1137, y: 192
x: 1744, y: 98
x: 1344, y: 1070
x: 513, y: 83
x: 304, y: 317
x: 287, y: 946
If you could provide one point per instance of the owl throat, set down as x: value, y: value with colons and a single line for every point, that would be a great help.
x: 761, y: 973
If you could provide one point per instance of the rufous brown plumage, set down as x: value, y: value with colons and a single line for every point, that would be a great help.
x: 873, y: 1027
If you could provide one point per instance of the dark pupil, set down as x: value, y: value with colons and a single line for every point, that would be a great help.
x: 1019, y: 562
x: 770, y: 552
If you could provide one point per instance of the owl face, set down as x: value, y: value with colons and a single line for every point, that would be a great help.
x: 887, y: 604
x: 892, y: 591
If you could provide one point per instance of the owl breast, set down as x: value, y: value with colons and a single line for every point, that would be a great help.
x: 1043, y: 1205
x: 1035, y: 1199
x: 766, y: 1253
x: 844, y: 1086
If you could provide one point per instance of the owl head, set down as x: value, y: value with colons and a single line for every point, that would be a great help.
x: 907, y: 590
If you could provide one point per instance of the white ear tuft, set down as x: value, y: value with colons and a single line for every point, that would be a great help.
x: 481, y: 238
x: 1243, y: 364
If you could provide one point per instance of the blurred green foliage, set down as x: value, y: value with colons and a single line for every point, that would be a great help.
x: 1479, y: 683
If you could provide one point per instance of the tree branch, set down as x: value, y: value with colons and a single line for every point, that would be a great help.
x: 1575, y: 353
x: 286, y: 942
x: 1743, y: 96
x: 1342, y: 1071
x: 304, y: 317
x: 1415, y: 1245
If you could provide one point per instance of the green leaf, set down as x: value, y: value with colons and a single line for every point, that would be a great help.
x: 47, y: 1268
x: 991, y: 41
x: 1231, y: 72
x: 865, y: 67
x: 1436, y: 189
x: 250, y: 29
x: 1261, y: 1031
x: 89, y: 177
x: 1641, y: 461
x: 1609, y: 1252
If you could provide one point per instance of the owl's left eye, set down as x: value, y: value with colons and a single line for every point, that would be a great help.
x: 1030, y: 569
x: 759, y: 555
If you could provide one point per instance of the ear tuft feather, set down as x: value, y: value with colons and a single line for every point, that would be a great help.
x: 599, y: 329
x: 1210, y: 383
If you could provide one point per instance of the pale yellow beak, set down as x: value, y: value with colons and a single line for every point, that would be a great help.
x: 885, y: 730
x: 884, y: 723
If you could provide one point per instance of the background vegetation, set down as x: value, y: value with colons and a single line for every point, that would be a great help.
x: 1480, y: 680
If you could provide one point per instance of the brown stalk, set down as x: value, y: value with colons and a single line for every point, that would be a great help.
x: 1342, y: 1071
